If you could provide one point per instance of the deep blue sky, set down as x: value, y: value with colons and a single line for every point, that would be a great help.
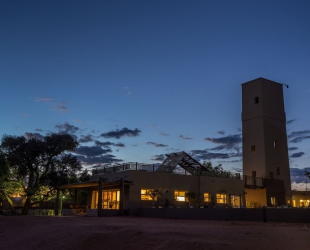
x: 134, y: 80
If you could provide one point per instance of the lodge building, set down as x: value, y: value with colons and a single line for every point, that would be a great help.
x: 125, y: 188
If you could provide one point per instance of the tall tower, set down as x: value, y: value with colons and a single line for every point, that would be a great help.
x: 264, y: 139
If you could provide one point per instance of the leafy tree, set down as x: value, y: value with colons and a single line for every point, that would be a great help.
x: 38, y: 166
x: 81, y: 193
x: 253, y: 204
x: 153, y: 193
x: 217, y: 170
x: 193, y: 199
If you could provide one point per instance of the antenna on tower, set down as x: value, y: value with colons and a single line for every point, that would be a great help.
x: 286, y: 85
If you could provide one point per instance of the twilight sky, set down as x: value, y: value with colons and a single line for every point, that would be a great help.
x: 135, y: 80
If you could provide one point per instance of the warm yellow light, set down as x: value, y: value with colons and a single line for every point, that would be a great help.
x: 180, y: 198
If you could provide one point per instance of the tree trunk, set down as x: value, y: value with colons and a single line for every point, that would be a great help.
x: 10, y: 203
x: 26, y: 206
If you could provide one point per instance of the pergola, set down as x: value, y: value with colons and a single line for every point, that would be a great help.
x: 184, y: 160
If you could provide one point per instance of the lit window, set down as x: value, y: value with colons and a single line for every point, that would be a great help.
x: 253, y: 149
x: 275, y: 144
x: 256, y: 100
x: 110, y: 199
x: 146, y: 195
x: 221, y: 198
x: 206, y: 197
x: 273, y: 201
x: 179, y: 195
x: 303, y: 203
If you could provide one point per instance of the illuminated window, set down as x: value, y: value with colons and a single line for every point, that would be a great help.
x: 275, y: 144
x: 146, y: 195
x: 256, y: 100
x: 235, y: 201
x: 253, y: 150
x: 206, y: 197
x: 293, y: 203
x: 304, y: 203
x: 110, y: 199
x: 221, y: 198
x: 273, y: 201
x: 179, y: 195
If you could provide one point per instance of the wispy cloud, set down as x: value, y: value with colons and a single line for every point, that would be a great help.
x: 57, y: 106
x: 86, y: 138
x: 91, y: 151
x: 206, y: 155
x: 37, y: 136
x: 164, y: 134
x: 25, y: 115
x: 290, y: 121
x: 117, y: 134
x: 292, y: 148
x: 297, y: 155
x: 98, y: 160
x: 127, y: 90
x: 229, y: 141
x: 107, y: 144
x: 185, y: 137
x: 158, y: 145
x: 299, y: 133
x: 45, y: 99
x: 60, y: 107
x: 221, y: 132
x: 67, y: 128
x: 152, y: 126
x: 298, y: 136
x: 298, y: 175
x: 158, y: 158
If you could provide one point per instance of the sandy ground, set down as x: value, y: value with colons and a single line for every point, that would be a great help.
x: 40, y: 232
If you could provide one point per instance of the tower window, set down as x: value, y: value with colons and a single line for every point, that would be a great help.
x: 278, y: 171
x: 275, y: 144
x: 273, y: 201
x: 271, y: 175
x: 256, y: 100
x: 253, y: 150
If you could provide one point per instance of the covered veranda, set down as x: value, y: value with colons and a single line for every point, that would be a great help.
x: 98, y: 189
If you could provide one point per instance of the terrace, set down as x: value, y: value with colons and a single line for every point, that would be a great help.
x: 180, y: 163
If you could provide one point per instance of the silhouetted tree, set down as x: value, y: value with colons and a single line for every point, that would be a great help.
x: 153, y: 193
x: 217, y: 170
x: 38, y: 166
x: 193, y: 199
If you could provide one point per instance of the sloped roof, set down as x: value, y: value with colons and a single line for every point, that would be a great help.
x: 183, y: 160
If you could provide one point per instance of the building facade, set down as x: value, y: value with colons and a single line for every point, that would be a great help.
x: 266, y: 173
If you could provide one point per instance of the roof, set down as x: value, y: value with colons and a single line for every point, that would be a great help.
x: 261, y: 78
x: 92, y: 184
x: 182, y: 159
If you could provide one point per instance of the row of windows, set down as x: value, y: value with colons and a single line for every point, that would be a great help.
x: 275, y: 145
x: 270, y: 174
x: 149, y: 194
